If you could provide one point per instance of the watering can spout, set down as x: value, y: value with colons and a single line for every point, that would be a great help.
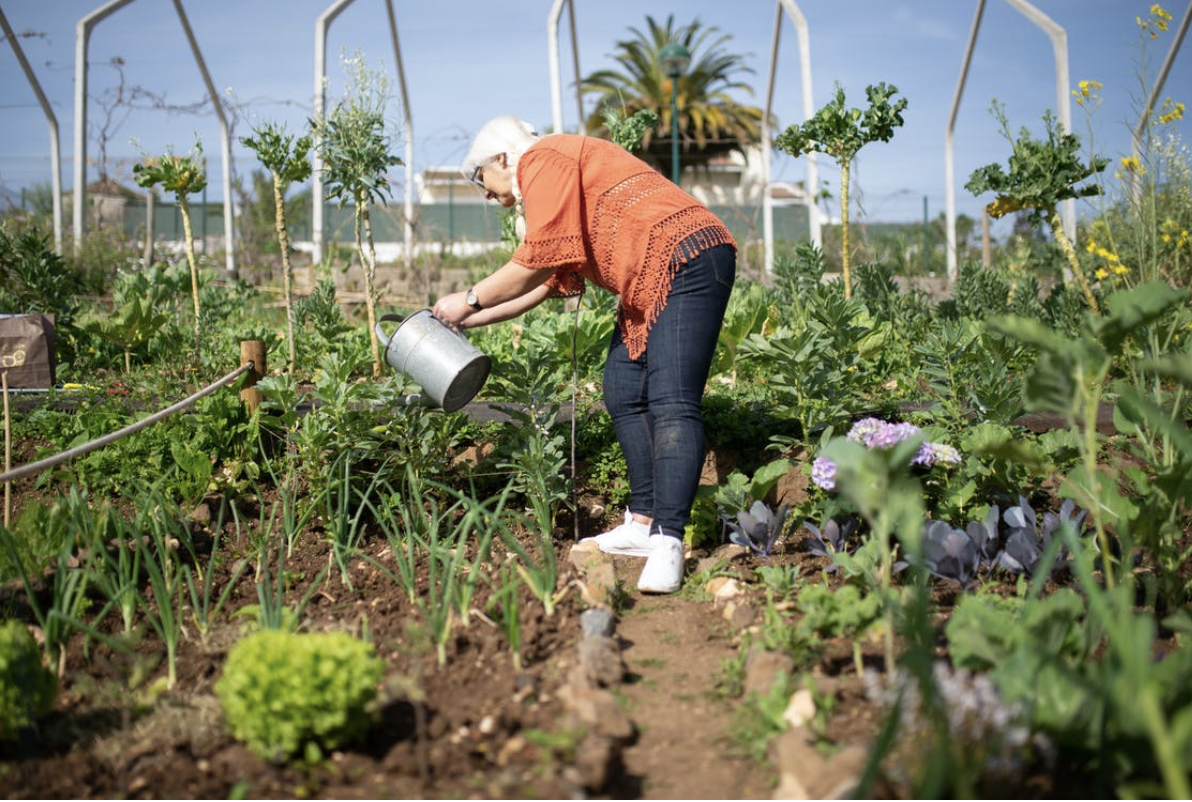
x: 449, y: 368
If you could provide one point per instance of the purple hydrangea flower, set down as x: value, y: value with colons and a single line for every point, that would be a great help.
x: 877, y: 433
x: 864, y: 429
x: 893, y: 433
x: 823, y: 473
x: 931, y: 453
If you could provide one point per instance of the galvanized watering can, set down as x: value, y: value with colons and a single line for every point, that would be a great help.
x: 450, y: 369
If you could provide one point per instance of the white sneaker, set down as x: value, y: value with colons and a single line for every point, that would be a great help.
x: 664, y: 569
x: 631, y: 538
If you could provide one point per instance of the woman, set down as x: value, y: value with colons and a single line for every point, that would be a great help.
x: 590, y: 211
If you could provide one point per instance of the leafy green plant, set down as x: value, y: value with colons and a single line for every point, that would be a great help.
x: 1070, y: 378
x: 163, y: 604
x: 1083, y: 666
x: 114, y: 570
x: 354, y: 147
x: 628, y: 132
x: 288, y: 160
x: 184, y: 176
x: 35, y: 279
x: 299, y: 694
x: 60, y: 609
x: 27, y: 688
x: 815, y: 362
x: 130, y: 327
x: 205, y: 602
x: 846, y: 612
x: 841, y: 132
x: 1043, y: 172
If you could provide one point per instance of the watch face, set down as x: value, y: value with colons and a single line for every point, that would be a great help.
x: 472, y: 300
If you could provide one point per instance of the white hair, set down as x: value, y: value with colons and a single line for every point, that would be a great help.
x: 505, y: 134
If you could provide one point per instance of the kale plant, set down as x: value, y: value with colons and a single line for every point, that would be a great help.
x: 759, y: 529
x: 1027, y: 544
x: 833, y: 540
x: 949, y: 553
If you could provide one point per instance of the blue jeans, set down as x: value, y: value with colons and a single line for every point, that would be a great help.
x: 656, y: 401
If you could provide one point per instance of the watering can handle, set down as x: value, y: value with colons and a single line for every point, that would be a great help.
x: 381, y: 335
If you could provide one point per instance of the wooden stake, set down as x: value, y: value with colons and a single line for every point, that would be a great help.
x: 7, y: 449
x: 252, y: 351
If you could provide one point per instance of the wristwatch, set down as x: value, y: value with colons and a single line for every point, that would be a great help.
x: 472, y: 300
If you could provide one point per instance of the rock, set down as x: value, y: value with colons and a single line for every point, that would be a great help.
x: 597, y: 622
x: 600, y: 658
x: 742, y: 617
x: 201, y: 514
x: 763, y: 667
x: 597, y: 758
x: 599, y: 578
x: 804, y: 773
x: 598, y: 709
x: 798, y: 765
x: 723, y: 554
x: 599, y: 586
x: 800, y: 711
x: 723, y: 588
x: 583, y: 551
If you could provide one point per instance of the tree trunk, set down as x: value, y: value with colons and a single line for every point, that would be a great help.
x: 368, y: 265
x: 844, y: 260
x: 184, y: 208
x: 283, y: 241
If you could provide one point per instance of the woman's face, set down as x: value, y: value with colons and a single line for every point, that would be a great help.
x: 497, y: 180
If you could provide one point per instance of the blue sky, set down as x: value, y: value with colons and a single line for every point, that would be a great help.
x: 469, y: 60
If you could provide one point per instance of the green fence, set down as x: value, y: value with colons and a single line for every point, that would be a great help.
x: 442, y: 223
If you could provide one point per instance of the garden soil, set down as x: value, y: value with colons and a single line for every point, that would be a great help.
x: 476, y: 726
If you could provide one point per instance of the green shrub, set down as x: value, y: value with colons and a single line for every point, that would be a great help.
x: 27, y: 688
x: 284, y: 693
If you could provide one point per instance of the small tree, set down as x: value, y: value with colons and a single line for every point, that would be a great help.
x: 354, y: 147
x: 183, y: 176
x: 841, y: 132
x: 1042, y: 173
x: 288, y: 160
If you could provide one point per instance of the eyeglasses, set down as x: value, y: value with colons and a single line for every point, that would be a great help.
x: 475, y: 179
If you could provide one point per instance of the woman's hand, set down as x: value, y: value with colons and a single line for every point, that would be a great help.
x: 452, y: 310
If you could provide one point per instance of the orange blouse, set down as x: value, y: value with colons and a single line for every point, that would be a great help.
x: 595, y: 211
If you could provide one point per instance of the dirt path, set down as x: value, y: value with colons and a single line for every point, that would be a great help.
x: 674, y: 648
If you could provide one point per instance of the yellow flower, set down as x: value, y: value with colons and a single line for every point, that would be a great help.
x: 1101, y: 274
x: 1171, y: 111
x: 1133, y: 165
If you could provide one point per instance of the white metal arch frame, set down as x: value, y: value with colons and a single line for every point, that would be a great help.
x: 556, y: 81
x: 83, y: 30
x: 322, y: 24
x: 52, y: 121
x: 1160, y: 80
x: 812, y: 179
x: 1059, y: 45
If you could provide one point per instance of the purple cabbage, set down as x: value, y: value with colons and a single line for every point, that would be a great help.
x: 759, y: 529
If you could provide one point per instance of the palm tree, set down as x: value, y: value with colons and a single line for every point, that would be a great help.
x: 711, y: 122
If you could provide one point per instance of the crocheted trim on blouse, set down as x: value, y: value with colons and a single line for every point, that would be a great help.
x: 677, y: 240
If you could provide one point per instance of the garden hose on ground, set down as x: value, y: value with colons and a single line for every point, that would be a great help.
x: 49, y: 462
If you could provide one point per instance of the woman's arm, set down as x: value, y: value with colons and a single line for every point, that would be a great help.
x: 508, y: 292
